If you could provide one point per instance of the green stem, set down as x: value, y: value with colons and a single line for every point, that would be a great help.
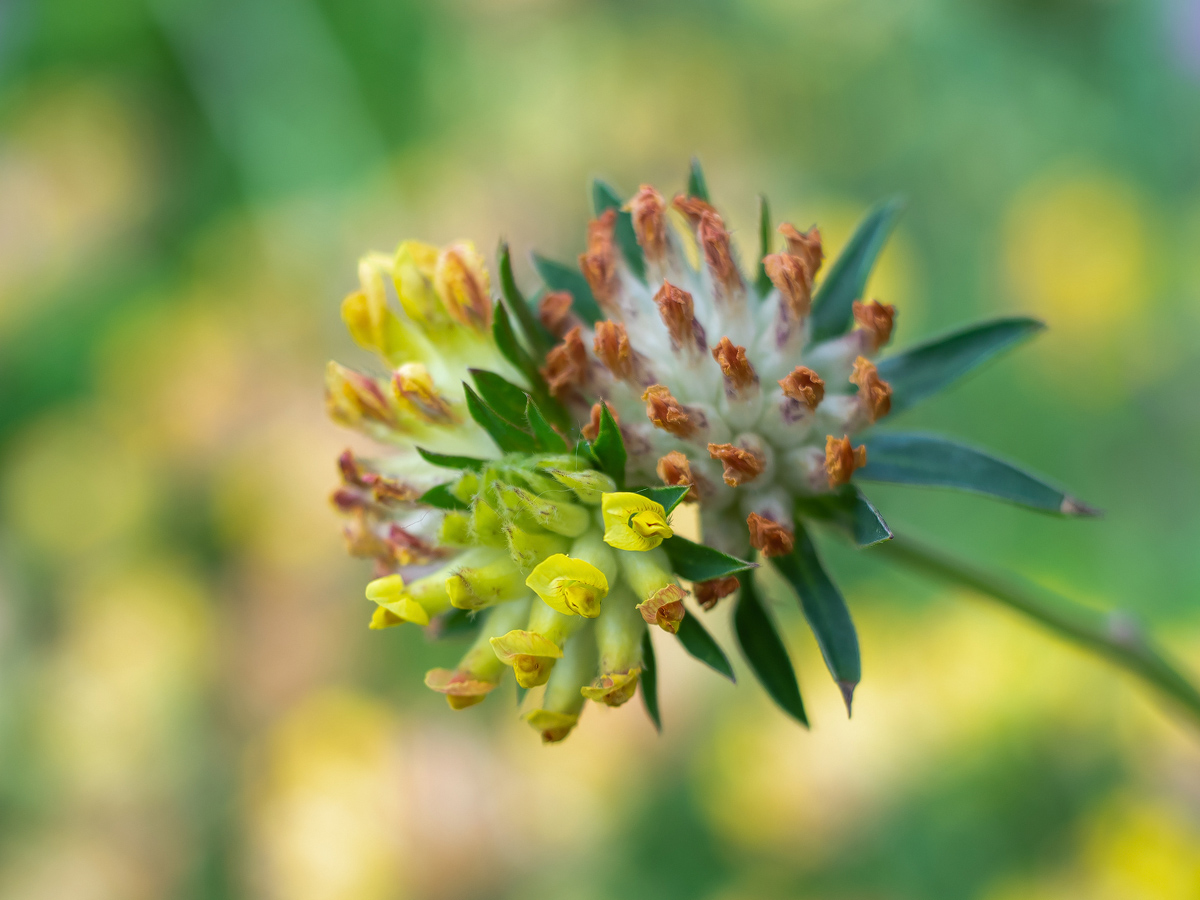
x: 1114, y: 635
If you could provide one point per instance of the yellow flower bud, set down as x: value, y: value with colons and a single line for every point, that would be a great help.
x: 560, y: 516
x: 589, y: 485
x: 413, y: 271
x: 351, y: 397
x: 413, y: 387
x: 614, y: 689
x: 554, y: 726
x: 462, y: 283
x: 478, y: 586
x: 395, y: 605
x: 633, y: 521
x: 570, y: 586
x: 528, y: 548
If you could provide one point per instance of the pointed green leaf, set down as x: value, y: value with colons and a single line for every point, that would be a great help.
x: 503, y: 396
x: 762, y: 282
x: 583, y: 452
x: 441, y: 498
x: 765, y: 652
x: 927, y: 368
x: 512, y: 350
x: 669, y: 497
x: 826, y: 612
x: 697, y: 641
x: 648, y: 681
x: 697, y: 186
x: 699, y: 562
x: 609, y: 447
x: 847, y: 279
x: 508, y: 437
x: 850, y: 510
x: 548, y: 439
x: 536, y: 335
x: 604, y: 196
x: 559, y: 277
x: 449, y: 461
x: 930, y: 460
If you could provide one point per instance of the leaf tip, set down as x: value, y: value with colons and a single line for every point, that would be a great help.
x: 847, y: 689
x: 1072, y: 506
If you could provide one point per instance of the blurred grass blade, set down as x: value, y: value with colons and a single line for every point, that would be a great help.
x: 503, y: 396
x: 1115, y: 635
x: 765, y: 652
x: 609, y: 447
x: 761, y: 282
x: 699, y: 562
x: 559, y: 277
x: 930, y: 460
x: 826, y: 612
x: 539, y: 339
x: 604, y: 197
x: 440, y: 497
x: 847, y: 279
x: 508, y: 437
x: 648, y: 681
x: 927, y: 368
x: 848, y: 509
x: 697, y: 186
x: 669, y: 497
x: 548, y: 439
x: 450, y: 461
x: 697, y: 641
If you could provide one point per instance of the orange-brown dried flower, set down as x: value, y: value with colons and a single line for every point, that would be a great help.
x: 678, y: 312
x: 649, y: 212
x: 667, y: 413
x: 740, y: 465
x: 714, y: 241
x: 599, y: 262
x: 874, y: 393
x: 692, y: 207
x: 792, y: 277
x: 769, y: 537
x: 737, y: 369
x: 805, y: 385
x: 566, y: 364
x: 806, y: 245
x: 709, y: 592
x: 841, y: 459
x: 675, y: 471
x: 554, y: 310
x: 592, y: 428
x: 877, y: 319
x: 612, y: 347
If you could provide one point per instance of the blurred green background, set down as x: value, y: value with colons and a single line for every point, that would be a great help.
x: 190, y: 703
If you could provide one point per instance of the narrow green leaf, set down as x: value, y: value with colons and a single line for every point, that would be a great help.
x: 849, y: 510
x: 449, y: 461
x: 697, y: 641
x: 930, y: 460
x: 927, y: 368
x: 699, y: 562
x: 609, y: 447
x: 765, y: 652
x: 441, y: 498
x: 512, y: 350
x: 508, y: 437
x: 604, y: 197
x: 697, y: 186
x: 847, y: 279
x: 548, y: 439
x: 536, y: 335
x: 559, y: 277
x: 648, y: 681
x: 583, y: 452
x: 826, y: 612
x: 762, y: 282
x: 502, y: 395
x: 669, y: 497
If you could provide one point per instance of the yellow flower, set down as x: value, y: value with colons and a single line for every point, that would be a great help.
x: 396, y: 606
x: 570, y: 586
x: 531, y: 655
x: 633, y: 521
x: 613, y: 689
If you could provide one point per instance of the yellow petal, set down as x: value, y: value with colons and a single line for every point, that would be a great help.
x: 633, y: 521
x: 460, y: 688
x: 413, y: 272
x: 524, y: 643
x: 612, y: 689
x: 554, y: 726
x: 462, y: 283
x: 569, y: 586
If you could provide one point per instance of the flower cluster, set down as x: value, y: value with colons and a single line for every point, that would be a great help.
x: 538, y: 448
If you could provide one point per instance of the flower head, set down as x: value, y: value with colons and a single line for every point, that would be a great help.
x: 535, y: 452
